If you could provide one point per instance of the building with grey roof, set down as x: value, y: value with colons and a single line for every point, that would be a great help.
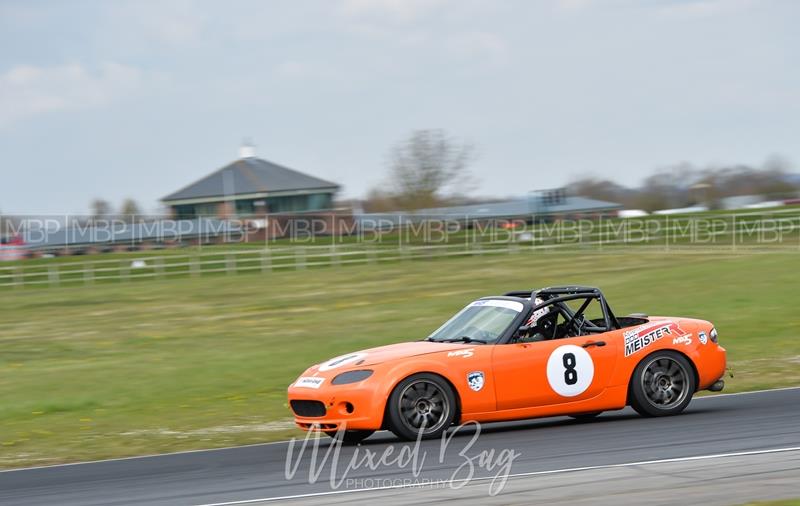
x: 250, y: 186
x: 543, y: 205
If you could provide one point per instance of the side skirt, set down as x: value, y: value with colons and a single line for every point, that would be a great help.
x: 611, y: 399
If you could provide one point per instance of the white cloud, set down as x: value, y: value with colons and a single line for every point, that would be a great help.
x: 175, y: 23
x: 573, y: 5
x: 295, y: 69
x: 697, y: 8
x: 396, y: 10
x: 28, y: 90
x: 703, y: 8
x: 479, y: 45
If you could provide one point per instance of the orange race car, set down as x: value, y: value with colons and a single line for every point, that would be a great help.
x: 554, y: 351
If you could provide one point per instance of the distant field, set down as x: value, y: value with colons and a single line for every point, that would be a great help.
x: 125, y: 369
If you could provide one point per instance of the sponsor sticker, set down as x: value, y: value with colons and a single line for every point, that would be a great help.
x: 702, y: 337
x: 462, y: 353
x: 340, y: 361
x: 643, y: 336
x: 508, y: 304
x: 687, y: 340
x: 476, y: 380
x: 309, y: 382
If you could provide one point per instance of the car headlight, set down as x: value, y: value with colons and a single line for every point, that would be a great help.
x: 713, y: 335
x: 351, y: 377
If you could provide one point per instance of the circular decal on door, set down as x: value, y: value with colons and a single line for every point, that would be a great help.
x: 570, y: 370
x: 340, y: 361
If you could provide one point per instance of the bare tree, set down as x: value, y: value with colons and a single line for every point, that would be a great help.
x: 130, y: 211
x: 379, y: 201
x: 745, y: 180
x: 685, y: 185
x: 101, y: 209
x: 425, y: 166
x: 667, y: 188
x: 602, y: 189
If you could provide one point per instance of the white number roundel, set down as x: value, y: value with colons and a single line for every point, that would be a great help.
x: 570, y: 370
x: 341, y: 361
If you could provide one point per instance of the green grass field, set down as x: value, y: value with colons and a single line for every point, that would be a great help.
x: 126, y: 369
x: 787, y: 502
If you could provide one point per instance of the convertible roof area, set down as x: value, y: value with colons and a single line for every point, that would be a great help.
x: 555, y: 290
x: 559, y: 295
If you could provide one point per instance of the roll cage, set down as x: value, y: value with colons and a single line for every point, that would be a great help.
x: 575, y: 323
x: 556, y: 297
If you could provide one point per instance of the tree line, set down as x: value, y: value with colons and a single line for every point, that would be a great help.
x: 128, y: 211
x: 684, y: 185
x: 430, y: 169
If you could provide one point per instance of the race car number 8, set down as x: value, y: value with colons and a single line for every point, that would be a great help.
x: 570, y: 374
x: 570, y: 370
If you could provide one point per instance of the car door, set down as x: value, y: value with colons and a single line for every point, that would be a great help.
x: 552, y: 372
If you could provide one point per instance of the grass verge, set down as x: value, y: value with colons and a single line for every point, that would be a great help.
x: 128, y: 369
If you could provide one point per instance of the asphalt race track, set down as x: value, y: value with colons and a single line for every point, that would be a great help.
x: 724, y: 449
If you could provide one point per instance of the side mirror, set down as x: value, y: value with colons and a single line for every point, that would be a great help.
x: 522, y: 331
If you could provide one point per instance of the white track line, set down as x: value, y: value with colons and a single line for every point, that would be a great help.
x: 516, y: 475
x: 714, y: 396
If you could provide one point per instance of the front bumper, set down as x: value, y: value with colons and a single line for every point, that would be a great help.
x: 356, y: 406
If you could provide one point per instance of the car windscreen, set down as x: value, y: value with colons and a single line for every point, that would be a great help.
x: 484, y: 320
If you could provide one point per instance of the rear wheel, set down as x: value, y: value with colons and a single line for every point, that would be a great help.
x: 350, y: 437
x: 422, y: 403
x: 662, y: 384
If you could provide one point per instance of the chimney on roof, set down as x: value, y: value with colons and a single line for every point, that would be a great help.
x: 247, y: 150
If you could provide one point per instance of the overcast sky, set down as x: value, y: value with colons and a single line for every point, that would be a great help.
x: 136, y: 99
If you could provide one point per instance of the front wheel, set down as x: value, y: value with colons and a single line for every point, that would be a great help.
x: 662, y: 384
x: 423, y: 403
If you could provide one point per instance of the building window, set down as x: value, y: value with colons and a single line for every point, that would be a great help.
x: 319, y: 201
x: 249, y: 207
x: 245, y: 207
x: 185, y: 212
x: 291, y: 203
x: 208, y: 210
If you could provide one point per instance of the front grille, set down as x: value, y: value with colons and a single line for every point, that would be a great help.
x: 308, y: 408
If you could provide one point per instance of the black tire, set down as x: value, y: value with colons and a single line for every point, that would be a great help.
x: 662, y: 384
x: 586, y: 416
x: 350, y: 437
x: 421, y: 401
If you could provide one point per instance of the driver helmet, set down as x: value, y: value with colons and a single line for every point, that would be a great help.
x: 538, y: 313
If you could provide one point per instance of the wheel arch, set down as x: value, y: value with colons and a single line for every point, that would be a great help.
x: 695, y: 373
x: 456, y: 394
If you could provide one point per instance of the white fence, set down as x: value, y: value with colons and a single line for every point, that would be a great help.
x: 778, y: 231
x: 56, y: 272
